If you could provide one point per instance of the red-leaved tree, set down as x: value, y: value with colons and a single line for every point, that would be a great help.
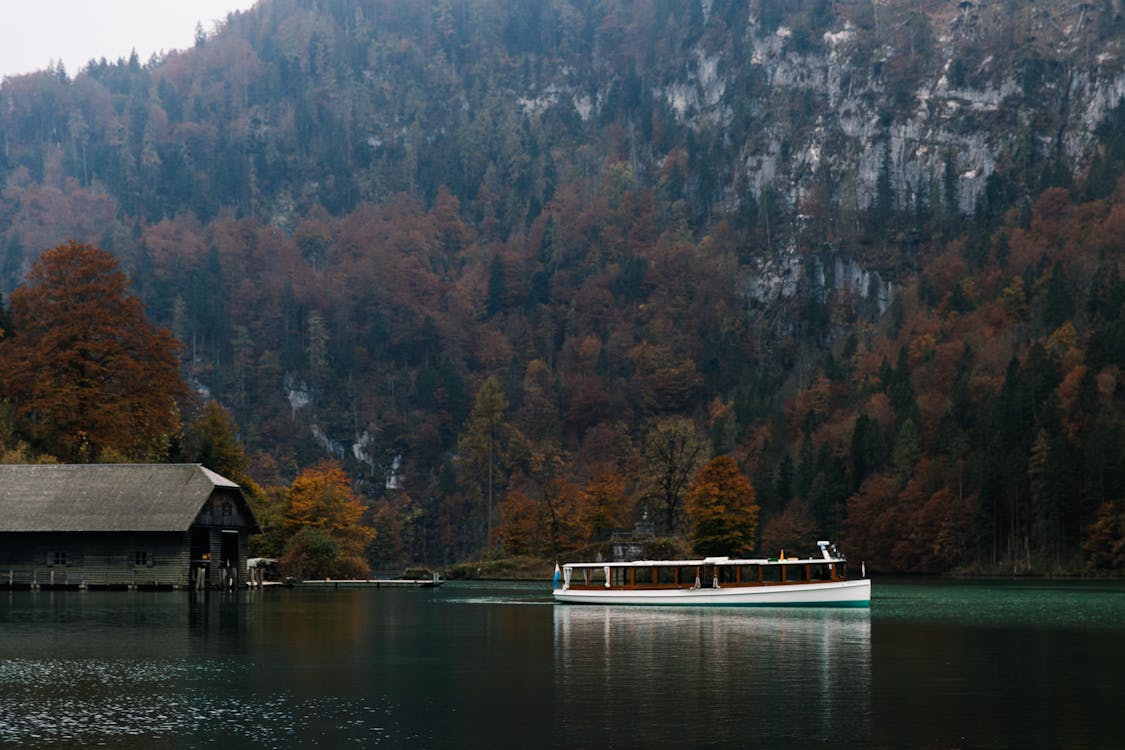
x: 88, y: 377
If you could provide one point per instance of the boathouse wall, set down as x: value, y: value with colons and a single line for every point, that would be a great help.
x: 95, y: 560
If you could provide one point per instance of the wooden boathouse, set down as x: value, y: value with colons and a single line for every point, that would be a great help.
x: 121, y: 526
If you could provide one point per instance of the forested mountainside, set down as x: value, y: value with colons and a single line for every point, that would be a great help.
x: 520, y: 265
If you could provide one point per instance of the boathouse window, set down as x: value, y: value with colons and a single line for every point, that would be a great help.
x: 56, y: 558
x: 141, y: 558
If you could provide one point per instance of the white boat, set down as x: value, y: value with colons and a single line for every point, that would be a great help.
x: 717, y: 581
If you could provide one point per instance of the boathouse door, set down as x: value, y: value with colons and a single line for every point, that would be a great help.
x: 200, y: 556
x: 228, y: 555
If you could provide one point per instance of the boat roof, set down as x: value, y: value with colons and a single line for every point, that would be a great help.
x: 703, y: 561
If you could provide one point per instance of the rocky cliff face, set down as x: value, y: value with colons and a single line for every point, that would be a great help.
x: 805, y: 117
x: 922, y: 106
x: 963, y: 94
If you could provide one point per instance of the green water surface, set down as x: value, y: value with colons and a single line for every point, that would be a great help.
x: 932, y: 664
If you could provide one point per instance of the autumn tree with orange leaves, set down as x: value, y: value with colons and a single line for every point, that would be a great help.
x: 519, y: 524
x: 325, y: 520
x: 88, y: 377
x: 603, y: 504
x: 722, y: 509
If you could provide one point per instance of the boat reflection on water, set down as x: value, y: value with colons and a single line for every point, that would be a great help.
x: 726, y: 677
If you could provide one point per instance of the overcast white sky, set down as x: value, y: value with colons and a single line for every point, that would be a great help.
x: 35, y: 32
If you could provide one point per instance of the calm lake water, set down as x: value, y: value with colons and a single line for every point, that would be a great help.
x: 932, y: 664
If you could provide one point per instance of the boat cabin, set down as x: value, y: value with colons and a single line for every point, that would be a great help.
x: 713, y: 572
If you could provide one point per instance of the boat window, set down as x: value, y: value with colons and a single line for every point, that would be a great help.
x: 750, y: 573
x: 771, y: 573
x: 665, y: 575
x: 726, y: 573
x: 822, y: 572
x: 687, y: 575
x: 597, y: 576
x: 619, y: 576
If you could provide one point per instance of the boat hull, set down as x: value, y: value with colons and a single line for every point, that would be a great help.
x: 855, y: 593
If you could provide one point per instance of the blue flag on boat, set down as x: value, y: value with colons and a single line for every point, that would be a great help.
x: 558, y: 573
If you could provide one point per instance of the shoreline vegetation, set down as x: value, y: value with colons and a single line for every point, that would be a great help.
x: 543, y: 572
x: 530, y: 568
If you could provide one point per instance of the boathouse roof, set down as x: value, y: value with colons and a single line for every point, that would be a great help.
x: 110, y: 497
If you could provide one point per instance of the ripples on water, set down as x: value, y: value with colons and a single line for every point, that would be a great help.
x: 169, y: 670
x: 91, y: 702
x: 931, y: 664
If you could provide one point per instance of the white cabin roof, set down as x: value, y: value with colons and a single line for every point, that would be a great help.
x: 703, y: 561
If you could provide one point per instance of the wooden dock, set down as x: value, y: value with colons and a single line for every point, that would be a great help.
x: 354, y: 583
